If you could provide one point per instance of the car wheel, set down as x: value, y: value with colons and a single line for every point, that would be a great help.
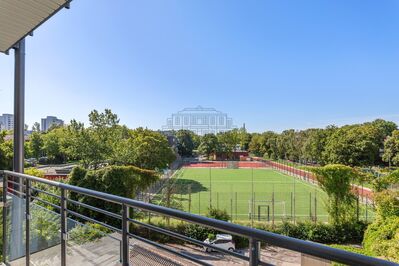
x: 207, y: 250
x: 231, y: 249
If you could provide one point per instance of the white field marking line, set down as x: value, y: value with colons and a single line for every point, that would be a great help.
x: 301, y: 181
x: 174, y: 182
x: 250, y: 182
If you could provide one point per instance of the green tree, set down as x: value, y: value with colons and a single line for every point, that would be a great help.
x: 6, y: 152
x: 336, y: 181
x: 209, y: 144
x: 147, y: 149
x: 52, y: 145
x: 122, y: 181
x: 228, y: 141
x: 36, y: 127
x: 185, y: 142
x: 353, y: 145
x: 314, y: 144
x: 391, y: 149
x: 36, y: 144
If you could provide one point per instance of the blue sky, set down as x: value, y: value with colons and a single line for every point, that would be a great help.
x: 271, y: 64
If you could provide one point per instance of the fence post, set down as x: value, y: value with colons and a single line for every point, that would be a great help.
x: 210, y: 188
x: 292, y: 206
x: 231, y: 208
x: 5, y: 184
x: 236, y: 207
x: 63, y: 227
x: 315, y: 207
x: 27, y: 221
x: 357, y: 207
x: 199, y: 203
x: 254, y: 255
x: 217, y: 200
x: 310, y: 205
x: 125, y: 237
x: 273, y: 207
x: 189, y: 198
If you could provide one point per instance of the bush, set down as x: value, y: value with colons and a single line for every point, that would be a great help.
x: 218, y: 214
x: 34, y: 172
x: 198, y: 232
x: 89, y: 232
x: 317, y: 232
x: 320, y: 232
x: 387, y: 203
x: 353, y: 249
x: 382, y: 238
x: 117, y: 180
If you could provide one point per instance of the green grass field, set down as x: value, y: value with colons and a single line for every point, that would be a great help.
x: 196, y: 189
x: 233, y: 190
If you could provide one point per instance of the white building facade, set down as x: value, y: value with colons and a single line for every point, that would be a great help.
x: 49, y: 122
x: 7, y: 122
x: 200, y: 120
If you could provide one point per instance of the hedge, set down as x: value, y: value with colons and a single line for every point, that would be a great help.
x: 316, y: 232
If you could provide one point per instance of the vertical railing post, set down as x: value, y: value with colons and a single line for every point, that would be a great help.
x: 254, y: 255
x: 63, y: 227
x: 125, y: 237
x: 27, y: 221
x: 5, y: 184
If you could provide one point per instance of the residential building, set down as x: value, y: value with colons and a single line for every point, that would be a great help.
x: 200, y: 120
x: 49, y: 122
x: 7, y: 122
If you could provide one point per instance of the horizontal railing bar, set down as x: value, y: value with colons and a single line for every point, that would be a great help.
x: 95, y: 209
x: 46, y: 202
x: 306, y: 247
x: 94, y: 221
x: 103, y: 233
x: 15, y: 191
x: 187, y: 239
x: 168, y: 249
x: 15, y: 183
x: 45, y: 192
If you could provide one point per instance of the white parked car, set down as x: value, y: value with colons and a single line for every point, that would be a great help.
x: 223, y: 241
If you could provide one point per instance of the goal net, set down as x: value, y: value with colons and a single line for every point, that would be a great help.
x: 266, y: 210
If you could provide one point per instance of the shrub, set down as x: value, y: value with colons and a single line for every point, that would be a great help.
x: 198, y: 232
x: 353, y: 249
x: 382, y: 238
x: 34, y: 172
x: 335, y: 180
x: 89, y: 232
x: 387, y: 203
x: 218, y: 214
x: 117, y: 180
x: 350, y: 233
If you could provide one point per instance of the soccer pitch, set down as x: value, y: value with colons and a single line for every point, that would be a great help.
x: 245, y: 193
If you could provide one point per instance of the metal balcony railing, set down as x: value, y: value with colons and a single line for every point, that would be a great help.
x: 23, y: 187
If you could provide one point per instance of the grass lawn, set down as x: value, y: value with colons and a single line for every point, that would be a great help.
x: 233, y: 189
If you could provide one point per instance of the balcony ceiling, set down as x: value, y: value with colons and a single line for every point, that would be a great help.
x: 19, y: 18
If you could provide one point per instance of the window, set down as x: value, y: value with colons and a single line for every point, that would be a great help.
x: 213, y: 120
x: 177, y: 120
x: 221, y: 120
x: 186, y: 120
x: 222, y: 241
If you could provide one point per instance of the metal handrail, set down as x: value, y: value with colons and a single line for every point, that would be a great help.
x: 302, y: 246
